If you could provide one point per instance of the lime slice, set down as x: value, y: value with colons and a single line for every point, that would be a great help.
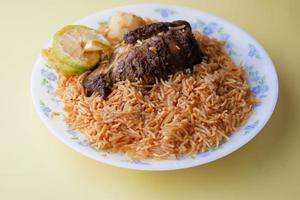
x: 95, y: 45
x: 61, y: 67
x: 75, y: 45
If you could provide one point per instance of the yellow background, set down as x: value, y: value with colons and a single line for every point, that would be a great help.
x: 35, y: 165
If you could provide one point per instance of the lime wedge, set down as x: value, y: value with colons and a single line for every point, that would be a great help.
x: 61, y: 67
x: 75, y: 45
x: 95, y: 45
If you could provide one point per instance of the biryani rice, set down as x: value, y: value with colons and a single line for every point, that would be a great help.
x: 188, y: 113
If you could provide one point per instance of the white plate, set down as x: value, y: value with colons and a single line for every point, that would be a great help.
x: 240, y: 46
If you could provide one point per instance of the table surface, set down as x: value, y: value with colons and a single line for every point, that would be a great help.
x: 35, y: 165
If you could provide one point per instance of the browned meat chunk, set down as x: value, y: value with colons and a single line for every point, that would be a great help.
x: 151, y: 52
x: 147, y: 31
